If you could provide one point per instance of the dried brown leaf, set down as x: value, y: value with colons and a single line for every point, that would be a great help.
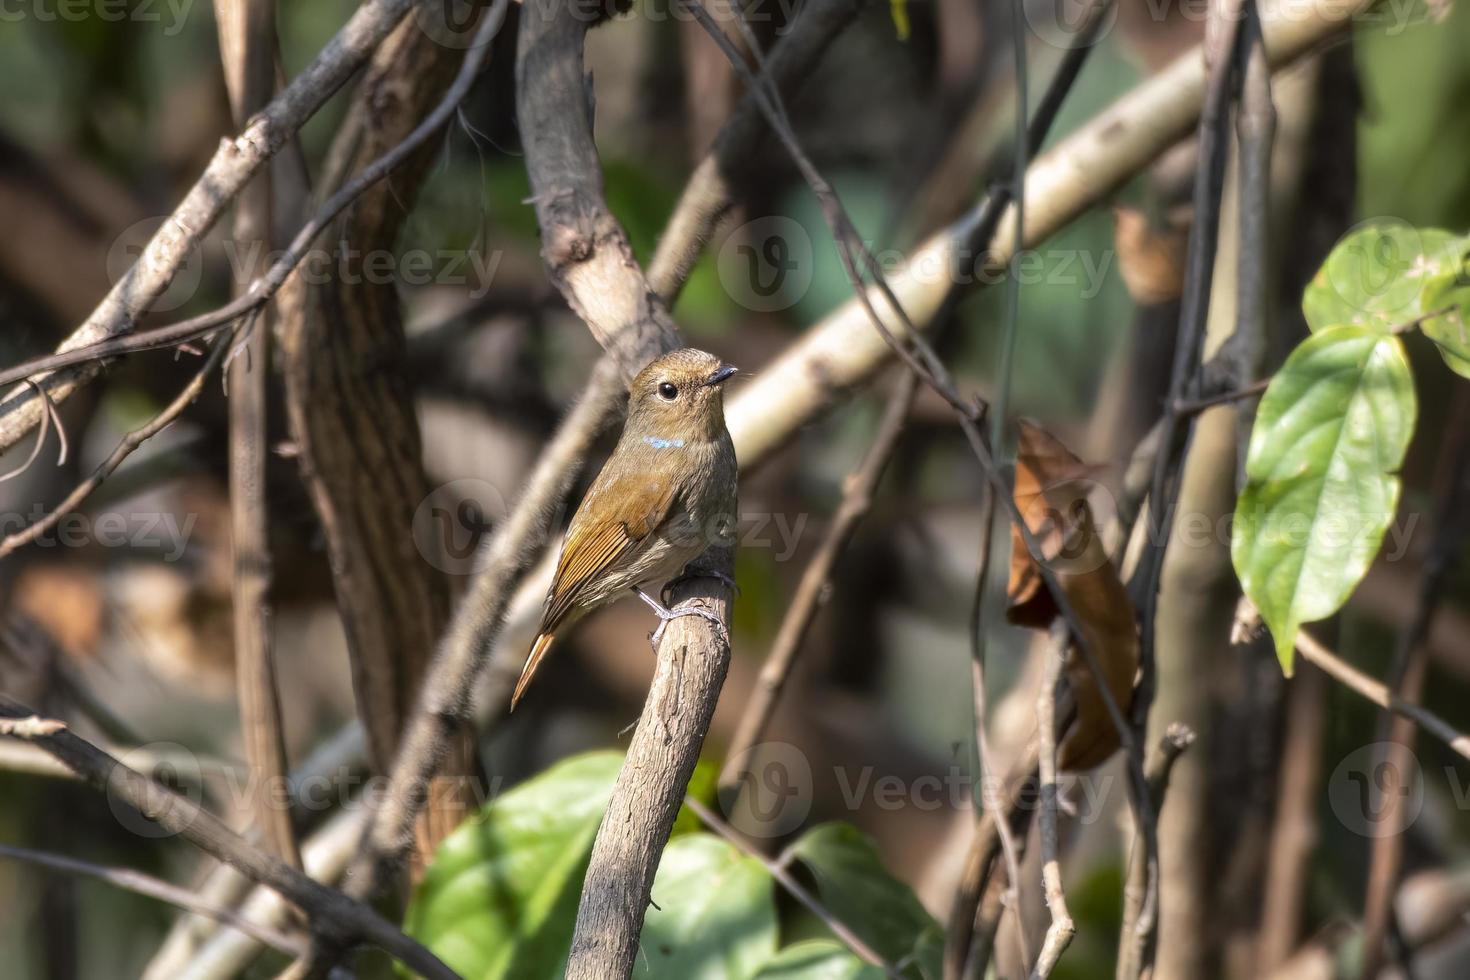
x: 1051, y: 491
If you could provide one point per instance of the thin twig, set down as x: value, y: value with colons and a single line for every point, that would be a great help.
x: 990, y: 796
x: 124, y: 449
x: 1376, y: 691
x: 793, y: 887
x: 329, y: 910
x: 40, y: 443
x: 1172, y: 744
x: 31, y: 727
x: 1195, y: 406
x: 151, y: 887
x: 1012, y: 325
x: 1255, y: 128
x: 1059, y: 933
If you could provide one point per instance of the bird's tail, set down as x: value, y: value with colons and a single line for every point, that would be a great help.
x: 538, y: 650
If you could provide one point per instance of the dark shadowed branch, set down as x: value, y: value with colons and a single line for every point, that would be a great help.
x: 151, y: 887
x: 331, y: 913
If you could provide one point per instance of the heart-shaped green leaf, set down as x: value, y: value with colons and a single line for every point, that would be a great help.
x: 818, y: 959
x: 714, y: 916
x: 1330, y: 434
x: 859, y: 891
x: 500, y: 898
x: 1376, y: 276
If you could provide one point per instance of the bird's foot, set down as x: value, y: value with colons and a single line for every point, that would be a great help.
x: 664, y: 614
x: 690, y: 573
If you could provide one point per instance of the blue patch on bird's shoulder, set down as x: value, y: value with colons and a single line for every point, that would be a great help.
x: 658, y: 443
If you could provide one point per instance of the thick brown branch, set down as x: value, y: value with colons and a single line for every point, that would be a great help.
x: 351, y: 409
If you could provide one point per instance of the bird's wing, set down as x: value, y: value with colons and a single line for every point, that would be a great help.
x: 629, y: 509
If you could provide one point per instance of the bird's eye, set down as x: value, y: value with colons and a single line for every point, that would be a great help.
x: 667, y: 391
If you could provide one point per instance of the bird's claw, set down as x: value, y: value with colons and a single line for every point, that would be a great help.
x: 665, y: 614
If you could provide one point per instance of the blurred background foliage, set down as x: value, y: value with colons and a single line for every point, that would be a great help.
x: 104, y: 124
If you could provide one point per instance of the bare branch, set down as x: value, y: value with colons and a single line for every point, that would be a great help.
x: 1173, y: 743
x: 1059, y: 933
x: 247, y: 31
x: 1376, y: 691
x: 350, y: 405
x: 151, y: 887
x: 331, y: 912
x: 125, y: 448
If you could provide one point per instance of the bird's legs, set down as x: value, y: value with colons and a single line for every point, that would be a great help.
x: 664, y: 614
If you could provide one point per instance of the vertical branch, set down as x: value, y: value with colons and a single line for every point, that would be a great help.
x: 247, y: 47
x: 1255, y: 126
x: 1166, y: 482
x: 1059, y: 933
x: 692, y: 660
x: 352, y: 415
x: 588, y: 257
x: 1175, y: 740
x: 1294, y: 835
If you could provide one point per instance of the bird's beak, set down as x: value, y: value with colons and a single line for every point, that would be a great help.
x: 724, y: 374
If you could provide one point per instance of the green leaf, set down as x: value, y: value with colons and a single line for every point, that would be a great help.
x: 853, y: 884
x: 1451, y: 288
x: 1330, y: 433
x: 1376, y: 276
x: 703, y: 785
x: 817, y: 959
x: 715, y: 917
x: 899, y: 10
x: 500, y: 898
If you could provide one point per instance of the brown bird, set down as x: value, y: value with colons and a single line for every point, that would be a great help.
x: 666, y: 494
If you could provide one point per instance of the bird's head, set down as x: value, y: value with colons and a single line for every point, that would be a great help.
x: 679, y: 397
